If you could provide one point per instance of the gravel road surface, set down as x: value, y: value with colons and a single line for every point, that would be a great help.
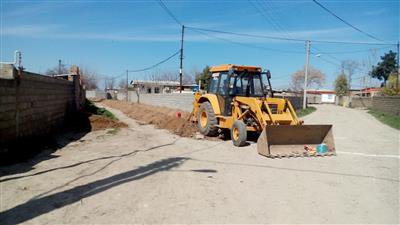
x: 147, y: 175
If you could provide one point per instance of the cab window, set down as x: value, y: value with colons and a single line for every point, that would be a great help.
x: 213, y: 87
x: 224, y: 84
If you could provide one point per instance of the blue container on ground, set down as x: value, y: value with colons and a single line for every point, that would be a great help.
x: 321, y: 148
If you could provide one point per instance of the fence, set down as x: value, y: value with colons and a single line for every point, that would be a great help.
x: 34, y: 105
x: 95, y: 94
x: 361, y: 102
x: 387, y: 104
x: 184, y: 101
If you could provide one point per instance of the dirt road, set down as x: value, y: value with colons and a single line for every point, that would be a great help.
x: 147, y: 175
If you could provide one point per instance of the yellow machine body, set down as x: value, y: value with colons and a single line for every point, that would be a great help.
x: 282, y: 134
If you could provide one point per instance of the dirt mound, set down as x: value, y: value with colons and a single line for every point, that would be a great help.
x: 99, y: 122
x: 161, y: 117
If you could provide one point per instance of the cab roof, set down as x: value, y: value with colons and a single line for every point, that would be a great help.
x: 227, y: 67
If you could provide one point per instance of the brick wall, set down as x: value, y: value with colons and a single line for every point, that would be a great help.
x: 34, y: 105
x: 387, y: 104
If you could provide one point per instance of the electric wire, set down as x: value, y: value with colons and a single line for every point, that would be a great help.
x: 284, y: 38
x: 248, y: 45
x: 162, y: 4
x: 344, y: 21
x: 155, y: 65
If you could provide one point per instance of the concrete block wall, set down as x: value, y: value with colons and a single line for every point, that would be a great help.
x: 361, y: 102
x: 387, y: 104
x: 297, y: 102
x: 95, y: 94
x: 184, y: 101
x: 34, y: 105
x: 314, y: 99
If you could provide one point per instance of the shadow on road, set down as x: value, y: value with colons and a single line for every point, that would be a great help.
x: 21, y: 155
x: 89, y: 161
x: 43, y: 205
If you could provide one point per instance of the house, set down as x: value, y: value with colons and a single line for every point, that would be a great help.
x: 320, y: 96
x: 369, y: 92
x: 157, y: 87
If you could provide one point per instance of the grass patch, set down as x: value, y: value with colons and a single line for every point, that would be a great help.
x: 92, y: 108
x: 306, y: 111
x: 113, y: 131
x: 392, y: 121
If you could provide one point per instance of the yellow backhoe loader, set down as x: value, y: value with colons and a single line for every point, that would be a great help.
x: 240, y: 99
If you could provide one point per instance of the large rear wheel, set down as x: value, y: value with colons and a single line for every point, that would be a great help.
x: 206, y: 120
x: 239, y: 133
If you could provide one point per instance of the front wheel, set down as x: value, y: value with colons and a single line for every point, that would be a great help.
x: 206, y: 120
x: 239, y: 133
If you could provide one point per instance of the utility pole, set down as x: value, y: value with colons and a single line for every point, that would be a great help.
x: 181, y: 61
x: 398, y: 67
x: 127, y: 74
x: 306, y: 73
x: 59, y: 66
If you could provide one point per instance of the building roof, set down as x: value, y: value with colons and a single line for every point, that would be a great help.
x: 371, y: 89
x: 319, y: 92
x: 156, y: 82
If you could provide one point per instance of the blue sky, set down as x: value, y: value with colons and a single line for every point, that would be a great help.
x: 112, y: 36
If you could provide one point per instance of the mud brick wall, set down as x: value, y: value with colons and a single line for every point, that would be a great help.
x: 386, y: 104
x: 34, y: 105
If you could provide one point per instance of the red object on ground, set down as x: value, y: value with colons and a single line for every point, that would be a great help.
x: 178, y: 114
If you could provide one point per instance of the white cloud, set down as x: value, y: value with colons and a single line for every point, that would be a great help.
x: 375, y: 12
x: 29, y: 30
x: 166, y: 34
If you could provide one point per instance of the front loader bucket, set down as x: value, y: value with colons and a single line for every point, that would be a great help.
x: 295, y: 140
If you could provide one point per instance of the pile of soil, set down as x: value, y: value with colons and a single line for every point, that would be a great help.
x: 161, y: 117
x: 100, y: 122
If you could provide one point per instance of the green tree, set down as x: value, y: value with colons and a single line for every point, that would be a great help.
x: 390, y: 87
x: 204, y: 77
x: 385, y: 67
x: 341, y: 85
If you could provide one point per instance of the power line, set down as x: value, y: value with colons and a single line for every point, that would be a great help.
x: 323, y: 59
x: 324, y: 53
x: 271, y: 14
x: 357, y: 51
x: 155, y: 65
x: 267, y: 17
x: 246, y: 35
x: 283, y: 38
x: 162, y: 4
x: 344, y: 21
x: 248, y: 45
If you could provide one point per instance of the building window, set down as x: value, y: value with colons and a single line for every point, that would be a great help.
x: 149, y: 90
x: 156, y: 90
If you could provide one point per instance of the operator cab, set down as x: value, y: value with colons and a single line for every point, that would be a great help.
x: 228, y: 81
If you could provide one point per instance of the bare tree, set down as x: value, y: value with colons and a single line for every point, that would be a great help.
x: 189, y: 76
x: 88, y: 78
x: 55, y: 70
x: 153, y: 75
x: 169, y: 76
x: 350, y: 67
x: 110, y: 83
x: 315, y: 78
x: 122, y: 84
x: 365, y: 66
